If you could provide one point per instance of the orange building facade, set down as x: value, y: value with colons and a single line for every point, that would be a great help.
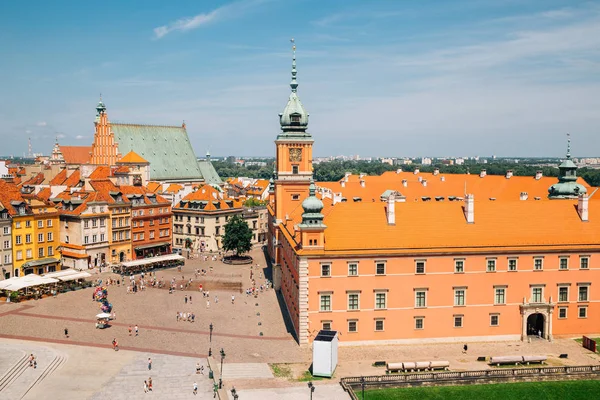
x: 388, y: 270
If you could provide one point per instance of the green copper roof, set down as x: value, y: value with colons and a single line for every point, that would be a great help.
x: 567, y: 186
x: 167, y: 148
x: 294, y: 118
x: 209, y: 173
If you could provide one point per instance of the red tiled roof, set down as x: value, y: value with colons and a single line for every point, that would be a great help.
x: 101, y: 172
x: 76, y: 154
x: 59, y: 178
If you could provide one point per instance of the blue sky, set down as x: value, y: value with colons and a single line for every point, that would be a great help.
x: 379, y: 78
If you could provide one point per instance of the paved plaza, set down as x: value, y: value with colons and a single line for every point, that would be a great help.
x: 252, y: 332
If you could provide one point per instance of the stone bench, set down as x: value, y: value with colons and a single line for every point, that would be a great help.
x: 410, y: 366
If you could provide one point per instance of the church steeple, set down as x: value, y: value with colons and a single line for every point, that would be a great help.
x: 567, y: 186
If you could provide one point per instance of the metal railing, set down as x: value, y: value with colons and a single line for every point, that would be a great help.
x: 356, y: 382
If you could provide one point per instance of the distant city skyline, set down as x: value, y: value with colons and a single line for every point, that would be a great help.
x: 507, y: 78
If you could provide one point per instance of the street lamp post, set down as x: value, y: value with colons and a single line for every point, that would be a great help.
x: 362, y: 385
x: 312, y: 389
x: 210, y: 328
x: 222, y: 358
x: 234, y: 393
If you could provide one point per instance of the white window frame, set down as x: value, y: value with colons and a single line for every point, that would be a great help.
x: 326, y: 325
x: 563, y: 286
x: 496, y: 289
x: 385, y: 299
x: 382, y: 320
x: 566, y: 310
x: 355, y: 264
x: 417, y: 319
x: 560, y: 263
x: 321, y: 298
x: 417, y: 291
x: 355, y: 321
x: 497, y: 316
x: 417, y: 262
x: 384, y: 267
x: 541, y: 260
x: 462, y: 321
x: 587, y: 262
x: 587, y: 292
x: 456, y: 263
x: 326, y: 267
x: 464, y: 297
x: 516, y: 261
x: 533, y: 288
x: 579, y: 309
x: 491, y: 262
x: 348, y: 295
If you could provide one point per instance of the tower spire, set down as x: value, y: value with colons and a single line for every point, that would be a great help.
x: 568, y: 145
x: 294, y: 84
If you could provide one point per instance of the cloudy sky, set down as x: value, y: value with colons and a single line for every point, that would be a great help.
x: 379, y: 78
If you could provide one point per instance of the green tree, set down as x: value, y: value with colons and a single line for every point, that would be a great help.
x: 237, y: 236
x: 253, y: 202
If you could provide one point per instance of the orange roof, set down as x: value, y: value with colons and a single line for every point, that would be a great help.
x: 132, y: 158
x: 173, y: 188
x: 101, y: 172
x: 72, y: 246
x: 123, y: 169
x: 9, y: 192
x: 59, y: 178
x: 440, y: 227
x: 73, y: 179
x: 44, y: 194
x: 212, y: 198
x: 73, y: 255
x: 37, y: 179
x: 496, y: 186
x: 153, y: 186
x: 76, y: 154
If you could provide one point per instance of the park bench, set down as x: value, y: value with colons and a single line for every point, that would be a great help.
x: 410, y: 366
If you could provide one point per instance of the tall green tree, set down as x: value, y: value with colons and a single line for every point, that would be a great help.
x: 238, y: 236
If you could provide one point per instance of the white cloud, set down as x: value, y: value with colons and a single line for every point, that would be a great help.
x: 42, y: 123
x: 227, y: 11
x: 79, y: 137
x: 61, y: 136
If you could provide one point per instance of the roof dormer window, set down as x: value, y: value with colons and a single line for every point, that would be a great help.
x: 295, y: 118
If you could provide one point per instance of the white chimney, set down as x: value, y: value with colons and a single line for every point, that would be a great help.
x: 523, y: 196
x: 399, y: 170
x: 509, y: 174
x: 362, y: 175
x: 416, y: 171
x: 404, y: 182
x: 538, y: 175
x: 436, y: 171
x: 442, y: 178
x: 582, y: 207
x: 424, y: 182
x: 420, y: 179
x: 470, y: 208
x: 343, y: 183
x: 362, y: 183
x: 391, y: 211
x: 482, y: 173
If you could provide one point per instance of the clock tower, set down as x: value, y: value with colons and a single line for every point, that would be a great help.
x: 293, y: 162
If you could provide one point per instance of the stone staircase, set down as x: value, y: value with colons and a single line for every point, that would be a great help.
x: 20, y: 378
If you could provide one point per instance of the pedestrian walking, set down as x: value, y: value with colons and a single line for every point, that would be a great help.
x: 465, y: 348
x: 31, y: 358
x: 130, y: 329
x: 66, y: 333
x: 149, y: 364
x: 190, y: 299
x: 216, y: 299
x: 232, y: 299
x: 150, y: 384
x: 207, y: 303
x: 145, y: 387
x: 195, y: 388
x: 115, y: 344
x: 185, y: 299
x: 137, y: 331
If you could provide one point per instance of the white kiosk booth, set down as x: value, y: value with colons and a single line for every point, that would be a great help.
x: 325, y: 353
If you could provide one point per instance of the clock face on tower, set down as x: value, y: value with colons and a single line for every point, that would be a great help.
x: 295, y: 154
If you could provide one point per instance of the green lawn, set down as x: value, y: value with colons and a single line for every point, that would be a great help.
x: 565, y: 390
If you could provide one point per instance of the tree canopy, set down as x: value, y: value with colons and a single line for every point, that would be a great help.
x: 238, y: 236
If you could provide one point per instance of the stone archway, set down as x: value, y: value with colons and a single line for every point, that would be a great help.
x: 122, y: 256
x: 537, y: 317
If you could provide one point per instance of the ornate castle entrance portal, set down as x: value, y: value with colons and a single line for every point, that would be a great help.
x: 537, y: 320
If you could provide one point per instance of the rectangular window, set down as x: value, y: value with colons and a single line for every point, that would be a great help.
x: 419, y: 322
x: 41, y: 252
x: 563, y: 293
x: 512, y: 264
x: 582, y: 312
x: 18, y: 224
x: 353, y: 301
x: 28, y: 238
x: 538, y: 264
x: 379, y: 325
x: 491, y: 265
x: 459, y: 266
x: 325, y: 270
x: 420, y: 299
x: 352, y: 326
x: 326, y: 325
x: 18, y: 239
x: 151, y: 234
x: 86, y: 223
x: 86, y: 239
x: 494, y: 319
x: 19, y: 255
x: 352, y: 269
x: 94, y: 222
x: 6, y: 244
x: 49, y: 223
x: 102, y: 237
x: 380, y: 301
x: 500, y: 297
x: 380, y: 268
x: 294, y: 169
x: 458, y: 321
x: 40, y: 238
x: 94, y: 238
x: 114, y: 223
x: 49, y: 236
x: 141, y: 236
x: 50, y: 251
x: 325, y: 302
x: 27, y: 224
x: 459, y: 297
x: 40, y: 224
x: 563, y: 263
x: 583, y: 293
x: 584, y: 262
x: 562, y: 312
x: 28, y: 253
x: 537, y: 294
x: 6, y: 230
x: 420, y: 267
